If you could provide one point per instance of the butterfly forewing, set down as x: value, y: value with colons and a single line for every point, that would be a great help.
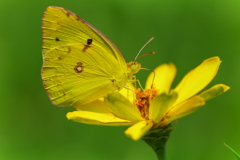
x: 61, y: 27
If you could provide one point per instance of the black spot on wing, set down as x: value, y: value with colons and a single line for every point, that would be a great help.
x: 89, y: 41
x: 57, y: 39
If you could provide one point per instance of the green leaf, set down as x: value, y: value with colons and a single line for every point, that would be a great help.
x: 236, y: 154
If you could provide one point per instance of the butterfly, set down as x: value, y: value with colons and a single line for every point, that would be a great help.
x: 80, y: 64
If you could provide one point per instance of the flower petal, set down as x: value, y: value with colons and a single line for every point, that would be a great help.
x: 197, y: 79
x: 214, y: 91
x: 183, y: 109
x: 95, y: 106
x: 164, y: 76
x: 97, y: 118
x: 121, y: 107
x: 138, y: 130
x: 160, y: 105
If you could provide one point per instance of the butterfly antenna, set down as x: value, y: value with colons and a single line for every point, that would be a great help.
x: 144, y: 47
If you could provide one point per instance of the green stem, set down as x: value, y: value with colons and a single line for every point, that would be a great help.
x: 157, y: 138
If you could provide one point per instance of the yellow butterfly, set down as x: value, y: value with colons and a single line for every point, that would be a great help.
x: 80, y: 64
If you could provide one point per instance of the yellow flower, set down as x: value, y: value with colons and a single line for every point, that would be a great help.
x: 158, y: 105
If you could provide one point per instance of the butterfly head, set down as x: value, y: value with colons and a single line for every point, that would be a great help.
x: 134, y: 66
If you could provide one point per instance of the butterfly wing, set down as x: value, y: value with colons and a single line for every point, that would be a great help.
x: 80, y: 63
x: 71, y: 75
x: 62, y: 27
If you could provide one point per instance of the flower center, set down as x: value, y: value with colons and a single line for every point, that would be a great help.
x: 143, y: 100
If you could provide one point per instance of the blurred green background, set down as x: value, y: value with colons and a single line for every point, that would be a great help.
x: 186, y: 33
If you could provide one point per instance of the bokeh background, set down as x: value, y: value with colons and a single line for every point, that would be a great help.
x: 186, y: 33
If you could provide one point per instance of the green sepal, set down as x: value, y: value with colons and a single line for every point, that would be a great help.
x: 157, y: 139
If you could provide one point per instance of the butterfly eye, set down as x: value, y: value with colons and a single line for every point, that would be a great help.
x: 89, y: 41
